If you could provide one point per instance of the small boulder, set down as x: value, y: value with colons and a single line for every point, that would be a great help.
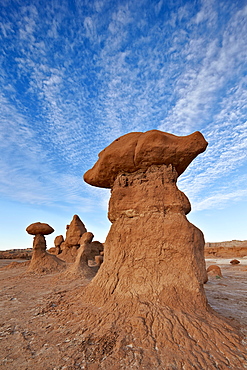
x: 234, y: 262
x: 39, y: 228
x: 58, y: 240
x: 214, y: 271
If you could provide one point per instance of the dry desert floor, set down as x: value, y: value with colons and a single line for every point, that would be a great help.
x: 36, y: 331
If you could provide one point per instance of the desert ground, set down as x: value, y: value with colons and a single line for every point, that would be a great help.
x: 37, y: 332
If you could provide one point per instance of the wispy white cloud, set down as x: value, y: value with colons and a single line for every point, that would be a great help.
x: 199, y: 85
x: 75, y: 82
x: 220, y: 200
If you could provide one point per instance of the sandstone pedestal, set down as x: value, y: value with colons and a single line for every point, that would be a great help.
x: 42, y: 262
x: 146, y: 308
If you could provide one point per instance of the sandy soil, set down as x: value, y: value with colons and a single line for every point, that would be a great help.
x: 35, y: 335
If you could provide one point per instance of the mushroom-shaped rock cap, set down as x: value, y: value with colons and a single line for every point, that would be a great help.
x: 140, y: 150
x: 39, y: 228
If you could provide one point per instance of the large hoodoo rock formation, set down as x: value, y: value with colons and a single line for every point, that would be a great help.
x: 146, y: 308
x: 42, y: 262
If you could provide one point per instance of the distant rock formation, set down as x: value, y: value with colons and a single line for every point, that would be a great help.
x: 58, y: 241
x: 42, y: 262
x: 80, y: 267
x: 72, y: 241
x: 229, y: 249
x: 16, y: 254
x: 146, y: 308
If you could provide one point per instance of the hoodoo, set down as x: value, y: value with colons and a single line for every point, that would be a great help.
x: 70, y: 245
x: 42, y: 262
x: 146, y: 308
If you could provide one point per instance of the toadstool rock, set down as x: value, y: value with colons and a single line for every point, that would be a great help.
x: 58, y: 240
x: 42, y: 262
x: 147, y: 302
x: 138, y: 151
x: 39, y: 228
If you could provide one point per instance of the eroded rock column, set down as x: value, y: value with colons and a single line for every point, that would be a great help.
x: 152, y: 251
x: 146, y: 307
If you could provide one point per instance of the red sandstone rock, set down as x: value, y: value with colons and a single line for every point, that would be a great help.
x: 68, y: 254
x: 146, y: 307
x: 234, y: 262
x: 80, y: 267
x: 138, y: 150
x: 52, y: 250
x: 72, y: 241
x: 58, y: 240
x: 95, y: 248
x: 214, y: 271
x: 99, y: 260
x: 43, y: 262
x: 74, y: 232
x: 39, y: 228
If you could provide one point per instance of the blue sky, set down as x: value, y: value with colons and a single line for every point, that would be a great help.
x: 75, y: 75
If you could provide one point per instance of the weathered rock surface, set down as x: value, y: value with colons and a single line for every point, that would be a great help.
x: 80, y: 267
x: 68, y: 254
x: 69, y: 247
x: 99, y: 260
x: 214, y: 270
x: 39, y: 228
x: 74, y: 232
x: 138, y: 150
x: 95, y: 248
x: 146, y: 307
x: 58, y: 240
